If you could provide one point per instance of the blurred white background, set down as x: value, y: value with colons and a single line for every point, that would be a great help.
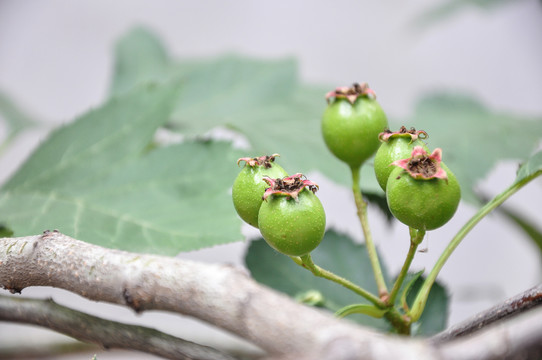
x: 56, y: 61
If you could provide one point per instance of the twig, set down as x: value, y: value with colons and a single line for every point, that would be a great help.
x: 226, y: 297
x: 222, y: 295
x: 107, y: 334
x: 511, y: 307
x: 517, y: 338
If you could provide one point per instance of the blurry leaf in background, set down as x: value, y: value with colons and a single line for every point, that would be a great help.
x: 474, y: 138
x: 440, y: 12
x: 264, y: 101
x: 15, y: 118
x: 94, y: 180
x: 139, y: 58
x: 336, y: 253
x: 341, y: 255
x: 260, y: 99
x: 225, y: 91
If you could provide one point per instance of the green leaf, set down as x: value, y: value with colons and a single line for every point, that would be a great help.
x: 95, y: 180
x: 472, y: 137
x: 336, y: 253
x: 406, y: 287
x: 435, y: 314
x: 260, y: 99
x: 229, y: 91
x: 140, y: 57
x: 76, y: 154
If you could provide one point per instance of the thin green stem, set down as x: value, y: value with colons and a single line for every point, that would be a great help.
x: 306, y: 261
x: 361, y: 206
x: 416, y: 237
x: 421, y: 298
x: 399, y: 322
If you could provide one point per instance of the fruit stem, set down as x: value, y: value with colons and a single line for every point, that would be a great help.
x: 416, y: 237
x: 361, y: 206
x: 306, y: 262
x: 421, y: 298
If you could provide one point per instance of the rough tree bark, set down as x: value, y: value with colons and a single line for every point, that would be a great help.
x: 227, y: 297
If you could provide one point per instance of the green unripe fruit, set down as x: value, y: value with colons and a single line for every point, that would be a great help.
x: 395, y: 146
x: 351, y: 124
x: 248, y: 188
x: 292, y: 222
x: 423, y: 203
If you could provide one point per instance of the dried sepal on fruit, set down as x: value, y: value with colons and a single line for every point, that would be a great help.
x: 292, y: 219
x: 421, y: 165
x: 351, y: 93
x: 288, y: 186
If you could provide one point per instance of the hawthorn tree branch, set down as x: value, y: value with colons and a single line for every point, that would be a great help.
x: 108, y: 334
x: 224, y: 296
x: 511, y: 307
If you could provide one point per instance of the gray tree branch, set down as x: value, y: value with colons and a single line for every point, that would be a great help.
x: 511, y: 307
x: 108, y: 334
x: 224, y: 296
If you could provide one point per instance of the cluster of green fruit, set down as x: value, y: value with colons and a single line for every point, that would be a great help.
x: 284, y: 208
x: 421, y: 191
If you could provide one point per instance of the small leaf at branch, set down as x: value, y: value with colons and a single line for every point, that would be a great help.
x: 435, y: 314
x: 407, y: 286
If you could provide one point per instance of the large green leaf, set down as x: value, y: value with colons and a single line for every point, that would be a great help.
x: 230, y: 91
x: 262, y: 100
x: 140, y: 57
x: 474, y: 138
x: 336, y: 253
x: 95, y: 180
